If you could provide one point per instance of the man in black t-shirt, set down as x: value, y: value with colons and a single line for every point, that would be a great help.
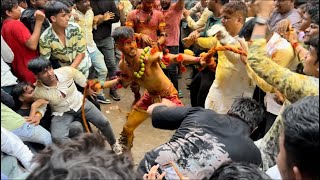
x: 204, y: 139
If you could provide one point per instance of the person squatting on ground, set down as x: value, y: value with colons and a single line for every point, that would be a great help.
x: 142, y: 66
x: 58, y: 87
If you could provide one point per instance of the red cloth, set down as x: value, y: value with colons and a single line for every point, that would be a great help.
x: 16, y: 34
x: 147, y: 99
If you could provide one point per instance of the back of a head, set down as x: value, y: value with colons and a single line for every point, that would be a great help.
x: 248, y: 110
x: 38, y: 64
x: 301, y: 136
x: 7, y: 5
x: 122, y: 32
x: 238, y: 170
x: 52, y: 8
x: 83, y: 158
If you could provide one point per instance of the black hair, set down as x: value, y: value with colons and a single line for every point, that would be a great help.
x: 68, y: 3
x: 301, y: 136
x: 83, y: 158
x: 17, y: 91
x: 238, y: 170
x: 223, y: 2
x: 315, y: 19
x: 52, y: 8
x: 122, y: 32
x: 7, y: 5
x: 19, y: 1
x: 313, y: 10
x: 236, y: 6
x: 248, y: 110
x: 314, y: 42
x: 38, y: 64
x: 247, y: 29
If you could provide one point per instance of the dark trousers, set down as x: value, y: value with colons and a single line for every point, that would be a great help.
x: 172, y: 70
x: 200, y: 86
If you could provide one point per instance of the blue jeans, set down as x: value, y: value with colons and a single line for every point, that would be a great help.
x: 31, y: 133
x: 106, y: 46
x: 60, y: 124
x: 99, y: 65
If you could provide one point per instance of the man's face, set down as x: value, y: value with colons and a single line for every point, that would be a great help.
x: 165, y: 4
x: 47, y: 75
x: 15, y: 12
x: 285, y: 171
x: 27, y: 95
x: 283, y: 6
x: 128, y: 47
x: 83, y: 5
x: 305, y: 21
x: 148, y: 5
x: 310, y: 32
x: 309, y: 64
x: 230, y: 21
x: 61, y: 19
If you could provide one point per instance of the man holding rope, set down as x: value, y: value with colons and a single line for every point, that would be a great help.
x: 142, y: 66
x: 58, y: 87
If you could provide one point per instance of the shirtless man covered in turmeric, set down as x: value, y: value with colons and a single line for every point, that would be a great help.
x: 142, y: 66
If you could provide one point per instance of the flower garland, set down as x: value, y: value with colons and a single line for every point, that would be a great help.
x: 144, y: 54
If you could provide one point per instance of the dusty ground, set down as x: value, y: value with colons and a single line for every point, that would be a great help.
x: 146, y: 137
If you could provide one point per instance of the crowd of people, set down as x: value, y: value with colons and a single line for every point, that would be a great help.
x: 254, y: 91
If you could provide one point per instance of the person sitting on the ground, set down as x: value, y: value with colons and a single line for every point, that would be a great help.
x: 59, y: 89
x: 142, y: 66
x: 85, y: 158
x: 299, y: 140
x: 26, y: 106
x: 238, y: 170
x: 204, y: 139
x: 22, y: 127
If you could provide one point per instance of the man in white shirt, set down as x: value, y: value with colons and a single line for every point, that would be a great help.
x: 58, y: 87
x: 8, y: 80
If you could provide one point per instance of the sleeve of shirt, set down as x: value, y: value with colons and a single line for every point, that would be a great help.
x: 201, y: 22
x: 7, y: 99
x: 281, y: 78
x: 78, y: 77
x: 21, y: 33
x: 207, y: 42
x: 130, y: 19
x: 81, y: 45
x: 259, y: 81
x: 45, y: 46
x: 195, y: 9
x: 169, y: 118
x: 6, y: 51
x: 13, y: 146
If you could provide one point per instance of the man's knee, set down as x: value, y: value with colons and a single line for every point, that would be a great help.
x: 75, y: 129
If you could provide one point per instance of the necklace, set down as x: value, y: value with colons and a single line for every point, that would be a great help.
x: 143, y: 57
x: 148, y: 17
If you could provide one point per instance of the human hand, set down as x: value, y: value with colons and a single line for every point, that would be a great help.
x: 186, y: 13
x: 91, y: 93
x: 108, y: 15
x: 153, y: 174
x: 35, y: 120
x: 293, y: 37
x: 145, y: 38
x: 264, y: 8
x: 279, y: 98
x: 284, y: 28
x: 40, y: 16
x: 120, y: 6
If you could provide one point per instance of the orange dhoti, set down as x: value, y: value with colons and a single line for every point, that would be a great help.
x: 138, y: 114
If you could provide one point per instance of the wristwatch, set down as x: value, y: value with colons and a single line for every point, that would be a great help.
x: 262, y: 20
